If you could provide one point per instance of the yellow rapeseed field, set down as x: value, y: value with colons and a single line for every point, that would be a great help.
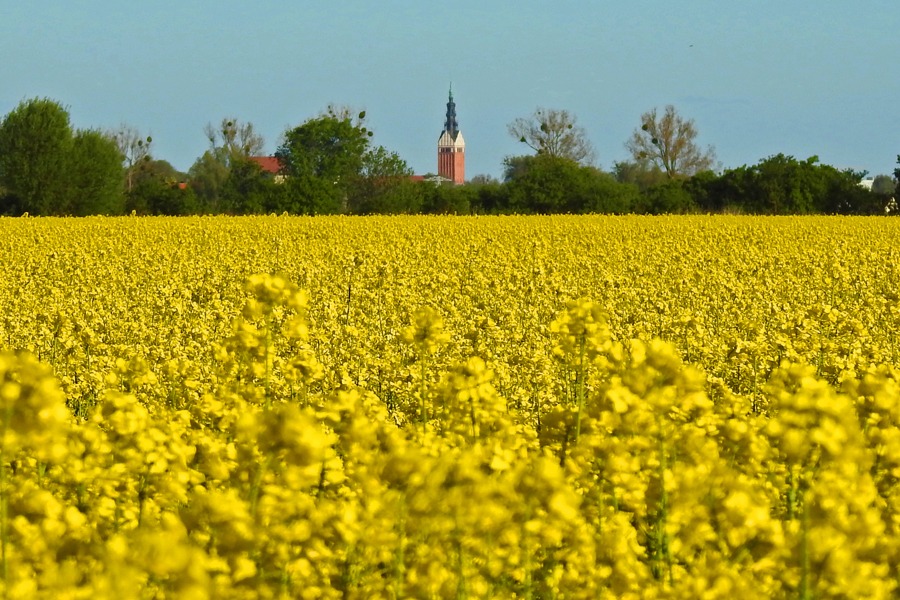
x: 434, y: 407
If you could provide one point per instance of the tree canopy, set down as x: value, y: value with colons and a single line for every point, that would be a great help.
x: 96, y: 179
x: 554, y: 133
x: 233, y: 141
x: 782, y: 184
x: 884, y: 185
x: 331, y: 166
x: 669, y: 142
x: 552, y: 184
x: 135, y: 149
x: 46, y: 168
x: 35, y: 150
x: 222, y: 176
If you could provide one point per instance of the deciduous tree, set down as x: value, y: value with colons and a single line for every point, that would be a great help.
x: 550, y: 184
x: 35, y: 149
x: 554, y: 133
x: 207, y: 177
x: 384, y: 185
x: 331, y: 166
x: 897, y: 174
x: 233, y: 141
x: 884, y: 185
x: 96, y: 179
x: 643, y: 174
x: 49, y: 169
x: 135, y: 149
x: 782, y: 184
x: 669, y: 141
x: 159, y: 189
x: 231, y: 144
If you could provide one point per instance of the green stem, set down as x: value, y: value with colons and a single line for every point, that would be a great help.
x: 526, y: 558
x: 349, y: 297
x: 662, y: 538
x: 4, y: 515
x: 400, y: 561
x: 142, y: 488
x: 461, y: 591
x: 4, y: 499
x: 791, y: 494
x: 805, y: 592
x: 266, y: 358
x: 257, y: 484
x: 422, y: 394
x: 579, y: 390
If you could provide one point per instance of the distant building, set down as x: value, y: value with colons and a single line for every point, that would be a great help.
x: 270, y: 164
x: 451, y: 155
x: 452, y: 148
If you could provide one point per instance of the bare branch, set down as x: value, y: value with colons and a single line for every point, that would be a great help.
x: 134, y: 148
x: 668, y: 141
x: 233, y: 141
x: 555, y: 133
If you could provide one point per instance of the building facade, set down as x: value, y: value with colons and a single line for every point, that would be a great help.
x: 452, y: 148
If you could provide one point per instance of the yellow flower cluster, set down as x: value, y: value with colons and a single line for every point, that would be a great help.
x: 431, y: 407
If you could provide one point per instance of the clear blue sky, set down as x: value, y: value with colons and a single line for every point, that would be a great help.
x: 759, y: 77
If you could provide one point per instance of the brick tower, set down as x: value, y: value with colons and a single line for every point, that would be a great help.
x: 452, y: 148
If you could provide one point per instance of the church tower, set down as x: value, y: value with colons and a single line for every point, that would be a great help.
x: 452, y: 148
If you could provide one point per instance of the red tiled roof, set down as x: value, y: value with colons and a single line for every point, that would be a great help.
x: 269, y: 164
x: 417, y: 178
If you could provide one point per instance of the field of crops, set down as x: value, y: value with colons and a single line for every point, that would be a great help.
x: 414, y: 407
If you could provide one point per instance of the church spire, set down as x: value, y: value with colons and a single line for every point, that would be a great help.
x: 450, y: 125
x: 452, y: 147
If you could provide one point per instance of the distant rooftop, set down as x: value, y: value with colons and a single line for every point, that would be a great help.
x: 269, y: 164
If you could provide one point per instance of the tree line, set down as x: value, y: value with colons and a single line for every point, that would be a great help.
x: 329, y: 164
